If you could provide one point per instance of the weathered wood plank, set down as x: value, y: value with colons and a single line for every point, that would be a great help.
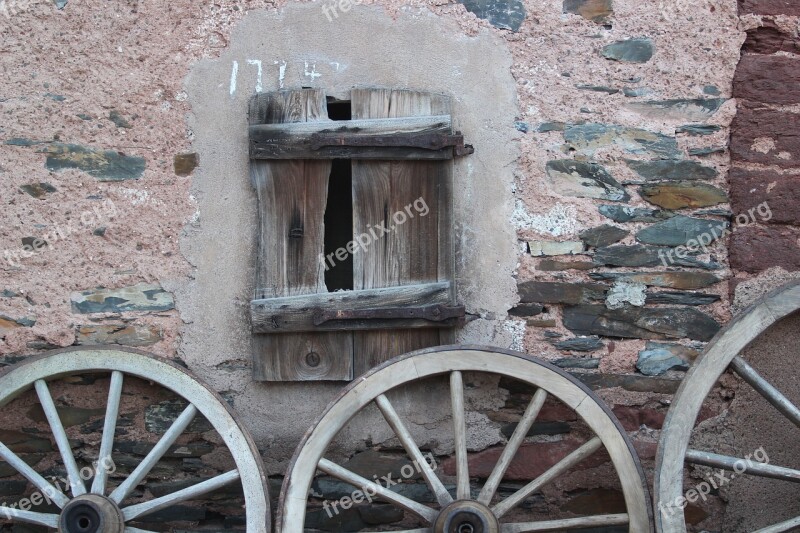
x: 297, y: 313
x: 409, y: 252
x: 292, y: 197
x: 318, y: 140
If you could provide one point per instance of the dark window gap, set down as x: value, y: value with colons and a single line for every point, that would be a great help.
x: 339, y: 227
x: 339, y: 109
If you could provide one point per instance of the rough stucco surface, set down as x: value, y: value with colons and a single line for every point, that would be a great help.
x: 220, y: 243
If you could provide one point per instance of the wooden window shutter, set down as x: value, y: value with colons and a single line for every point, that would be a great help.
x: 400, y: 145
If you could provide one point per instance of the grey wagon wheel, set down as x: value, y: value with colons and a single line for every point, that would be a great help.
x: 100, y: 507
x: 721, y: 354
x: 466, y: 512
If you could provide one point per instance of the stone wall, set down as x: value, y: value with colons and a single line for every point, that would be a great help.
x: 123, y: 160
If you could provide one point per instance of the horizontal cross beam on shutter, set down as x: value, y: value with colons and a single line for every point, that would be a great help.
x: 427, y: 137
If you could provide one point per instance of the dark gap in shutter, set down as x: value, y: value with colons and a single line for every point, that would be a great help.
x: 339, y: 212
x: 339, y: 227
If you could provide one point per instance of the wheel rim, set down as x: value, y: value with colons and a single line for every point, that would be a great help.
x: 721, y: 353
x: 98, y: 508
x: 458, y: 511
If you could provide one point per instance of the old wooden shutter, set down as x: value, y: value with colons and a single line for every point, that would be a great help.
x: 400, y: 145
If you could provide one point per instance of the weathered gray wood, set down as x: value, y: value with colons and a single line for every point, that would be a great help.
x: 410, y: 252
x: 297, y: 313
x: 742, y: 466
x: 765, y: 389
x: 292, y: 197
x: 304, y: 140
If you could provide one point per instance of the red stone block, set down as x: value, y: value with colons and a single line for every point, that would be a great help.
x: 755, y: 249
x: 632, y: 417
x: 765, y: 196
x: 769, y: 7
x: 769, y: 39
x: 768, y: 79
x: 766, y: 136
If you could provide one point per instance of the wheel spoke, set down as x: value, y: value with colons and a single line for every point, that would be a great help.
x: 765, y: 389
x: 29, y: 517
x: 753, y: 468
x: 567, y: 523
x: 436, y: 485
x: 50, y: 411
x: 369, y: 487
x: 783, y: 526
x: 553, y: 472
x: 460, y: 427
x: 109, y: 428
x: 58, y: 497
x: 135, y: 511
x: 155, y: 455
x: 137, y: 530
x: 535, y: 405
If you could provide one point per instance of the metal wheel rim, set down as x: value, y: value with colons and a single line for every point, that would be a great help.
x: 59, y: 363
x: 696, y: 386
x: 425, y: 363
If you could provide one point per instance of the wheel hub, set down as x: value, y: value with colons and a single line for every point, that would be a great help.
x: 466, y: 517
x: 91, y: 513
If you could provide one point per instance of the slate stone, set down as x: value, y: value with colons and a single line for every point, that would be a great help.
x: 597, y: 88
x: 588, y: 363
x: 706, y: 151
x: 681, y: 229
x: 682, y: 194
x: 5, y: 293
x: 636, y: 92
x: 595, y: 10
x: 12, y: 488
x: 554, y: 292
x: 541, y: 322
x: 687, y: 353
x: 711, y: 90
x: 682, y: 298
x: 99, y: 232
x: 139, y: 297
x: 358, y: 518
x: 629, y: 51
x: 70, y: 416
x: 755, y: 249
x: 103, y: 165
x: 30, y: 459
x: 117, y: 334
x: 504, y: 14
x: 38, y: 190
x: 550, y: 248
x: 175, y: 513
x: 771, y: 79
x: 691, y: 109
x: 603, y: 235
x: 60, y: 4
x: 619, y: 213
x: 21, y: 141
x: 185, y: 164
x: 526, y: 309
x: 588, y: 138
x: 7, y: 323
x: 584, y: 180
x: 159, y: 417
x: 640, y: 323
x: 765, y: 196
x: 19, y: 442
x: 554, y: 265
x: 624, y: 293
x: 698, y: 129
x: 596, y: 501
x: 333, y: 489
x: 629, y: 382
x: 658, y: 361
x: 192, y: 449
x: 371, y: 463
x: 521, y: 126
x: 538, y: 428
x: 642, y: 255
x: 580, y: 344
x: 118, y: 120
x: 672, y: 170
x: 778, y: 127
x: 545, y: 127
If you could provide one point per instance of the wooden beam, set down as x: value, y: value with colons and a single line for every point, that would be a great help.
x: 323, y: 139
x: 298, y: 313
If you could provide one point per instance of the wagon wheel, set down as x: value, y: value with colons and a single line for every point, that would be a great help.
x: 721, y: 354
x: 460, y: 510
x: 89, y: 503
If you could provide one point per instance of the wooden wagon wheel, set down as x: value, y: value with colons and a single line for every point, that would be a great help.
x: 99, y: 508
x: 720, y: 354
x: 465, y: 513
